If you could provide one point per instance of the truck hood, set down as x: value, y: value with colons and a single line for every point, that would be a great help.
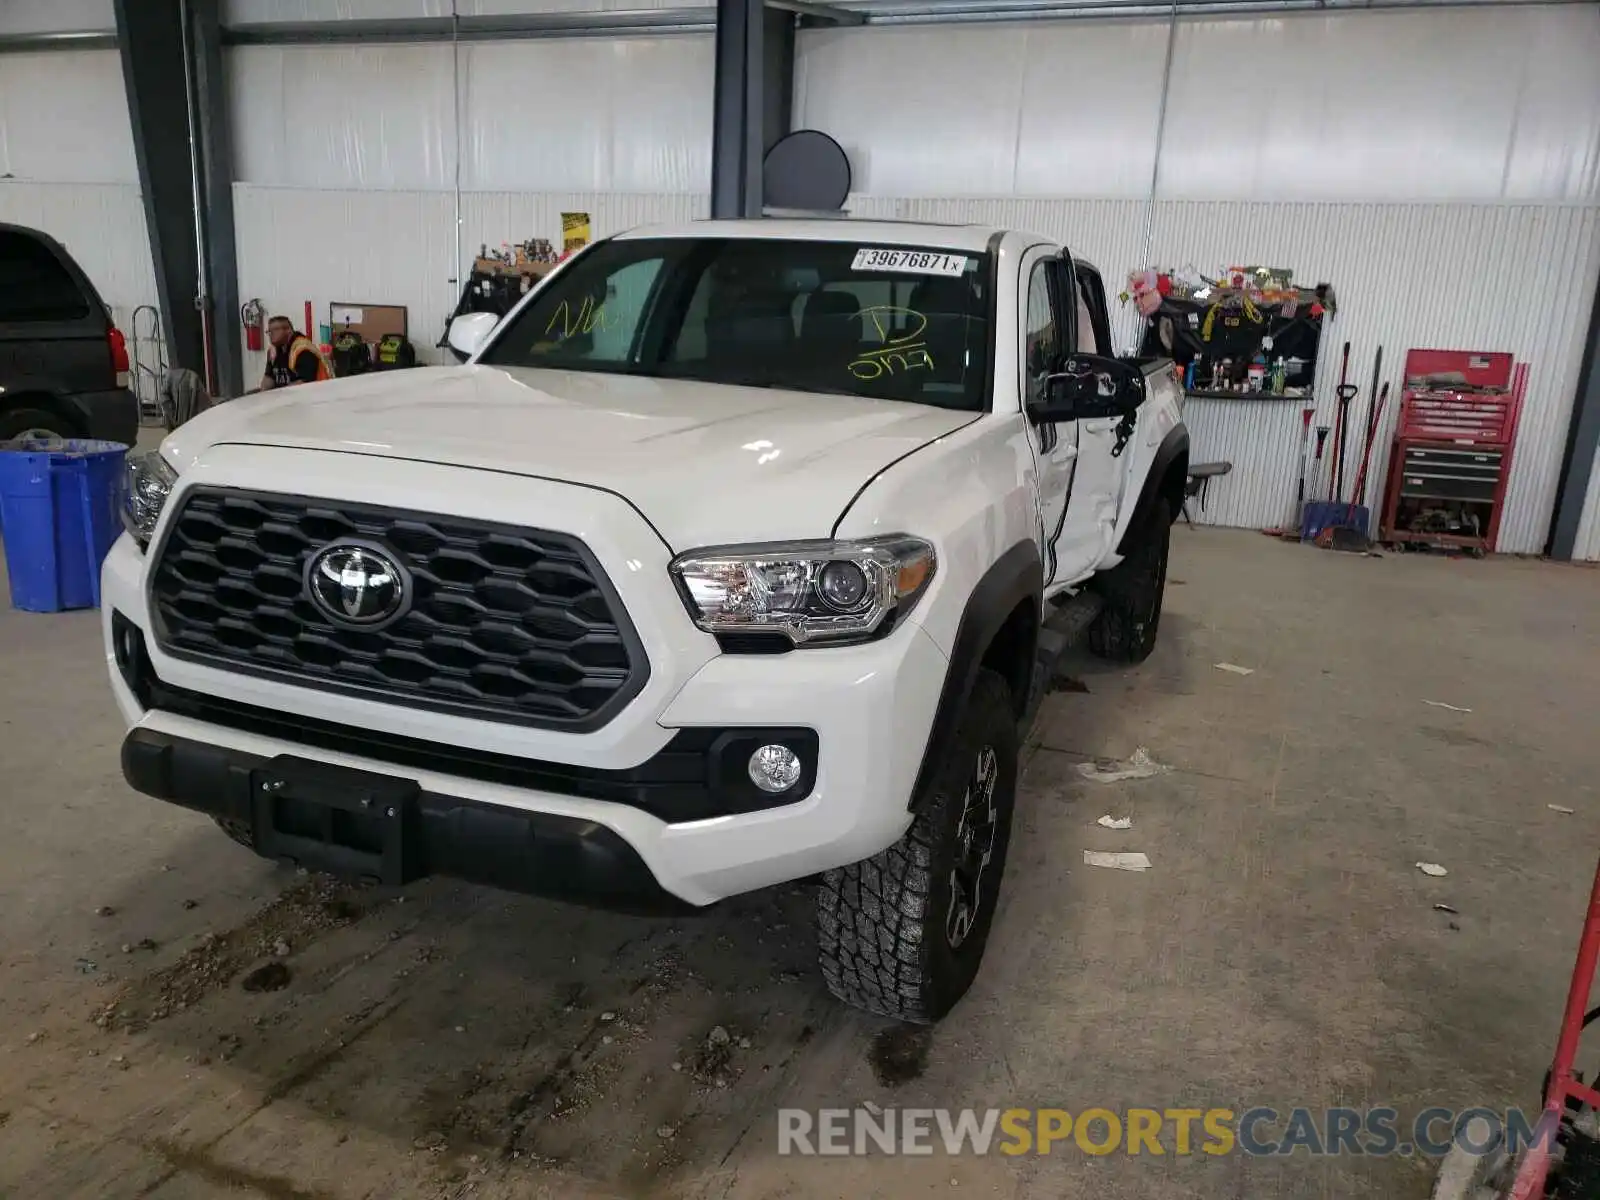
x: 705, y: 463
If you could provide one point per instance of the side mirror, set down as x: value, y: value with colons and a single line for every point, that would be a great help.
x: 469, y: 331
x: 1086, y: 387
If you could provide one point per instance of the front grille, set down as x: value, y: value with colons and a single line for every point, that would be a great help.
x: 504, y: 623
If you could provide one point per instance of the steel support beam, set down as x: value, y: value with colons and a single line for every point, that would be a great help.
x: 506, y: 27
x: 738, y: 109
x: 946, y: 12
x: 1582, y: 455
x: 777, y: 75
x: 690, y: 18
x: 34, y: 43
x: 215, y: 139
x: 172, y: 69
x: 150, y: 33
x: 819, y: 14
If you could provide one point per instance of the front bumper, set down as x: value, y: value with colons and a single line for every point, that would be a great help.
x: 400, y: 833
x: 869, y: 708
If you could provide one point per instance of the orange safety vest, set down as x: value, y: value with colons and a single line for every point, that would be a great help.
x: 301, y: 344
x: 298, y: 345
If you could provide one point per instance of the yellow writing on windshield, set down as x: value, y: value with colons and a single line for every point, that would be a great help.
x: 899, y: 332
x: 564, y: 322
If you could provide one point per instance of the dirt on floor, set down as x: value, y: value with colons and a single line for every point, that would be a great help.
x: 179, y: 1019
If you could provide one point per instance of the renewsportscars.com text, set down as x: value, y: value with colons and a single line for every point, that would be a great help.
x: 1258, y: 1131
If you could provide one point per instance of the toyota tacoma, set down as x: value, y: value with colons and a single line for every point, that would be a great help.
x: 735, y: 554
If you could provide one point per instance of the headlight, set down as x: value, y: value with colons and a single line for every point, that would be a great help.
x: 148, y: 484
x: 815, y: 593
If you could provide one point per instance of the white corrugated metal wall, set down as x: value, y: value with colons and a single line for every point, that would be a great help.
x: 1524, y: 284
x: 1437, y: 168
x: 1475, y: 104
x: 336, y: 246
x: 350, y: 153
x: 56, y: 16
x: 66, y: 152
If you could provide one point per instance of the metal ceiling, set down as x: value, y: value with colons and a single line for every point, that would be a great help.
x: 701, y: 18
x: 809, y: 14
x: 932, y: 12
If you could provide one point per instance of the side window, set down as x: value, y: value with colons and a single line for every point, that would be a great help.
x: 1087, y: 342
x: 601, y: 328
x: 1041, y: 338
x: 1092, y: 338
x: 627, y: 293
x: 34, y: 286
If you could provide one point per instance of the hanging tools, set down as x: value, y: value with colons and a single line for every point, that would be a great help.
x: 1292, y: 531
x: 1344, y: 393
x: 1314, y: 512
x: 1372, y: 391
x: 1351, y: 533
x: 1305, y: 453
x: 1374, y: 419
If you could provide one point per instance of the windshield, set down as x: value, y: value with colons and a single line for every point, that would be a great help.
x: 886, y: 322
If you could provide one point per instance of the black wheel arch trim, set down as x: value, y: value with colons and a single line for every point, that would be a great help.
x: 1174, y: 445
x: 31, y: 391
x: 1016, y: 576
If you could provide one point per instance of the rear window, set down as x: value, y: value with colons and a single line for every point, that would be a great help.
x: 887, y: 323
x: 34, y: 286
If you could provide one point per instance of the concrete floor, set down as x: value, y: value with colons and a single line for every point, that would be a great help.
x: 449, y: 1042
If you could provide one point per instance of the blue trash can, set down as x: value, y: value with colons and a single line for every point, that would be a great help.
x: 59, y: 502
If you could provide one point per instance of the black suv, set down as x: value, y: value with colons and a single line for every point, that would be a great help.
x: 62, y: 361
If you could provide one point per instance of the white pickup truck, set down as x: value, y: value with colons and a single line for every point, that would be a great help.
x: 730, y: 558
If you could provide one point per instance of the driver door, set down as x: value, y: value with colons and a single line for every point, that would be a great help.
x: 1047, y: 336
x: 1089, y: 523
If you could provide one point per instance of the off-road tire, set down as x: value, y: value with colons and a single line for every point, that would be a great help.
x: 1125, y: 630
x: 239, y: 831
x: 884, y: 925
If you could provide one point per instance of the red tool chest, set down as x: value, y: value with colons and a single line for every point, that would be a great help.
x: 1451, y: 456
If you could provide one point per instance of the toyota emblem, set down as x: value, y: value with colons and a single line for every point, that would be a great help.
x: 357, y: 585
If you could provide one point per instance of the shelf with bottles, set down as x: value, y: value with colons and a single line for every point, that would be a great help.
x: 1208, y: 394
x: 1251, y: 334
x: 1281, y: 377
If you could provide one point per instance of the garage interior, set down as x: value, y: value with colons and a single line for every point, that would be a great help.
x: 1434, y: 166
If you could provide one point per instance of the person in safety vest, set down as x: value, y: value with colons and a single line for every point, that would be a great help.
x: 293, y: 358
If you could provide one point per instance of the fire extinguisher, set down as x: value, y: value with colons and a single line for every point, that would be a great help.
x: 253, y: 315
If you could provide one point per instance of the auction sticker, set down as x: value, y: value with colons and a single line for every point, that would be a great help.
x: 914, y: 262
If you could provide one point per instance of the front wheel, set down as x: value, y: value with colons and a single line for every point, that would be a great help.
x: 902, y: 934
x: 1125, y: 630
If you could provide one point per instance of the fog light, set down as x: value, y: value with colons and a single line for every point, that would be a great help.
x: 127, y: 648
x: 774, y: 768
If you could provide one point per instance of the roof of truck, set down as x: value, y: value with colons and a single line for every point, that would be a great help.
x: 972, y: 238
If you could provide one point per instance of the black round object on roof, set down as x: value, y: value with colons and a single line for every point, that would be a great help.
x: 806, y: 169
